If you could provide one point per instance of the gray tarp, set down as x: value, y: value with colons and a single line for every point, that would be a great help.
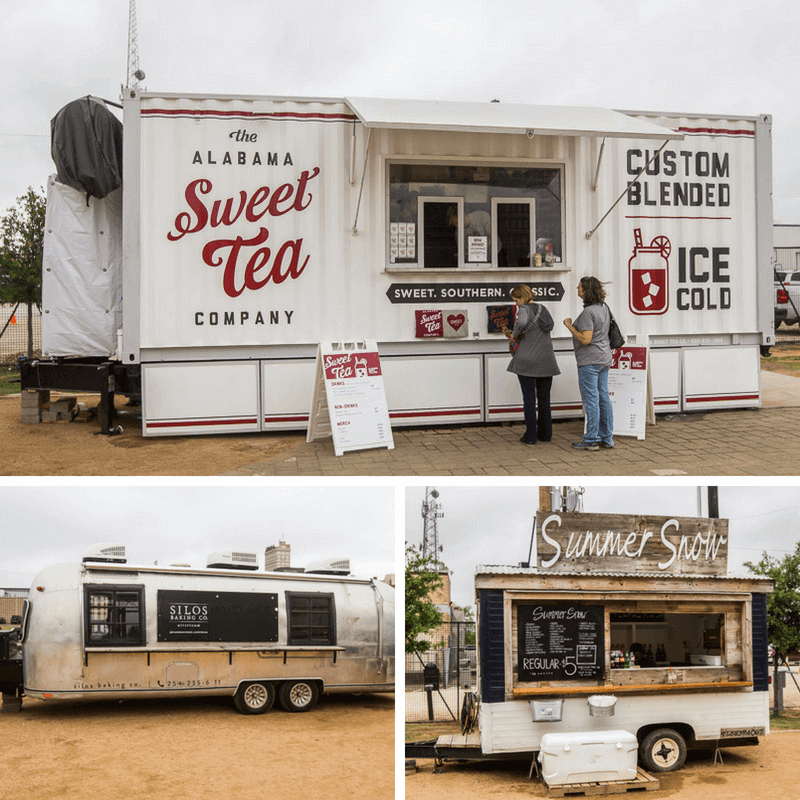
x: 86, y: 145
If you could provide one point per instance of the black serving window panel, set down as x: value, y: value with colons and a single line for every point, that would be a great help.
x: 439, y: 226
x: 312, y: 618
x: 515, y: 224
x: 115, y: 616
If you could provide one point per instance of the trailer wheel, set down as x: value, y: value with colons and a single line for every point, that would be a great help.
x: 254, y: 698
x: 663, y: 750
x: 298, y: 695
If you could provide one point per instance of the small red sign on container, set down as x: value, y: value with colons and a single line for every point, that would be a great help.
x: 429, y: 324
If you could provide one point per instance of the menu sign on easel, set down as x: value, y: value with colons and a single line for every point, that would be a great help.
x: 560, y: 642
x: 627, y: 387
x: 349, y: 401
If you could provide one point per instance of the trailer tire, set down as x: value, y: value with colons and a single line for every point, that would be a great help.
x: 663, y: 750
x: 256, y: 697
x: 298, y: 695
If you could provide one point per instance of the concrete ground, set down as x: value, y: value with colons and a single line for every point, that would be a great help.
x: 747, y: 442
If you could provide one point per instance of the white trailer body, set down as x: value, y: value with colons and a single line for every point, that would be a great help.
x: 119, y: 631
x: 255, y: 228
x: 549, y: 637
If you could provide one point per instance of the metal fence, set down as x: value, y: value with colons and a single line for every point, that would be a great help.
x: 14, y: 331
x: 454, y: 656
x: 11, y: 605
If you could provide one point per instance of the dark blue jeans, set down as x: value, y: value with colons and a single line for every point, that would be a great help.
x: 533, y: 390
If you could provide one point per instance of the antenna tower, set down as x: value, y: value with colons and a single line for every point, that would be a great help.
x: 135, y: 74
x: 431, y: 511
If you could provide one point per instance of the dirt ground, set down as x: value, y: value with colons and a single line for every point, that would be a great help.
x: 199, y: 749
x: 768, y: 770
x: 70, y: 448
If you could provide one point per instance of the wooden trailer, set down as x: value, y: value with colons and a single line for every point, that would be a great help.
x: 623, y: 622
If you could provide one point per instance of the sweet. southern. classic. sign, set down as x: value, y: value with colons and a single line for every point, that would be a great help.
x: 624, y: 543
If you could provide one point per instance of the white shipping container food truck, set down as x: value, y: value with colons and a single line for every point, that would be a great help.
x: 109, y: 630
x: 256, y: 228
x: 620, y: 626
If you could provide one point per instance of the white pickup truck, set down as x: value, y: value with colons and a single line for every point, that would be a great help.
x: 787, y: 297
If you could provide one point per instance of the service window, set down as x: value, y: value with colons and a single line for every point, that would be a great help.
x: 311, y: 618
x: 114, y: 615
x: 667, y: 640
x: 451, y: 216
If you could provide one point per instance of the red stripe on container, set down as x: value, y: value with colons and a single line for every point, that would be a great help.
x: 663, y: 216
x: 200, y: 422
x: 208, y: 112
x: 719, y: 131
x: 452, y: 413
x: 722, y: 398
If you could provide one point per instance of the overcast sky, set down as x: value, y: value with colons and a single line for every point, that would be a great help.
x: 725, y: 57
x: 493, y: 525
x: 44, y: 525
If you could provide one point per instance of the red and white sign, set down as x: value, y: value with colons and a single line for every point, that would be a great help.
x: 234, y: 235
x: 456, y: 324
x: 627, y: 386
x: 349, y: 401
x: 429, y: 324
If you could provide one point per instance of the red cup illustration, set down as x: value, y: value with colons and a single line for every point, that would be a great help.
x: 648, y: 275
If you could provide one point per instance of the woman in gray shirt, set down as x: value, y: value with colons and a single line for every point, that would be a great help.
x: 534, y: 363
x: 593, y: 354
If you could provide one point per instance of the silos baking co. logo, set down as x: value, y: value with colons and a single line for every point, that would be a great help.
x: 248, y: 262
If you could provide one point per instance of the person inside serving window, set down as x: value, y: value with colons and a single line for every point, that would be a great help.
x: 534, y: 363
x: 593, y: 354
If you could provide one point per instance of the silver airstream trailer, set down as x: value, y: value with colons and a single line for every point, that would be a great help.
x: 107, y: 629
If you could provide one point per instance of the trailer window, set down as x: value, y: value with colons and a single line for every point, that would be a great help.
x: 312, y: 619
x: 452, y: 216
x: 662, y: 640
x: 114, y: 615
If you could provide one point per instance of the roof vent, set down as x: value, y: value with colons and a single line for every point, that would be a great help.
x: 232, y: 559
x: 106, y: 553
x: 330, y: 566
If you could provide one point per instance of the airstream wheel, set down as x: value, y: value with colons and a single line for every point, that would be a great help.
x: 298, y: 695
x: 254, y: 698
x: 663, y: 750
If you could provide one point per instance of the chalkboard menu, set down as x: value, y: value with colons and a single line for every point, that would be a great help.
x: 560, y: 642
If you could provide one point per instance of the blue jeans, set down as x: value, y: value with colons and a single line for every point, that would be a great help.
x: 534, y: 389
x: 593, y: 383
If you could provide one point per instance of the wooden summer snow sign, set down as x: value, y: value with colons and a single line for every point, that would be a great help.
x: 349, y: 400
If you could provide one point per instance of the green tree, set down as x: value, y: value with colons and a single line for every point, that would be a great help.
x: 469, y: 616
x: 783, y: 605
x: 21, y: 245
x: 422, y: 578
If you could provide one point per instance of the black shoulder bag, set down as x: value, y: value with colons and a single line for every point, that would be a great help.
x: 615, y: 337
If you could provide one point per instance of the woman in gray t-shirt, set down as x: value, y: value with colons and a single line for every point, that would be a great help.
x: 593, y: 354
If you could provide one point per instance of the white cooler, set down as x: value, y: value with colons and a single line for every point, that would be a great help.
x: 588, y: 756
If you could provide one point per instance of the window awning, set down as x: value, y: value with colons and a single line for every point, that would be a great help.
x: 434, y: 115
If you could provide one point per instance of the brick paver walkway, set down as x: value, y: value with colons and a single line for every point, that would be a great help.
x: 723, y: 443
